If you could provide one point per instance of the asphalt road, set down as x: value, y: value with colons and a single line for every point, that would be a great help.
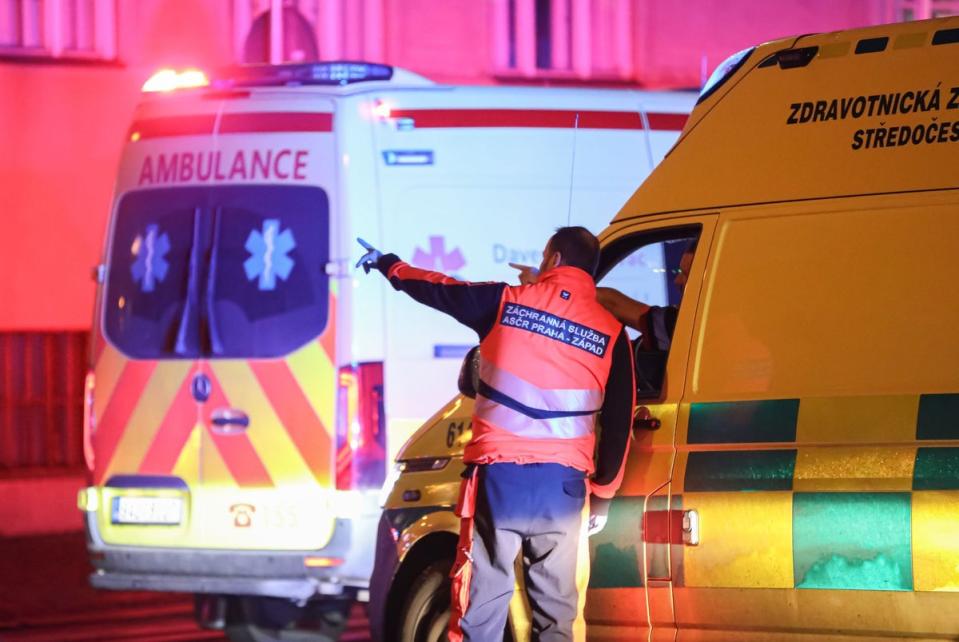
x: 45, y: 596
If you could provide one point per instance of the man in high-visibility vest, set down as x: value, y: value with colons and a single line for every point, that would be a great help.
x: 553, y: 362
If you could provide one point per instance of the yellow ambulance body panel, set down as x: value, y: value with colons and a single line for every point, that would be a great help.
x: 794, y: 473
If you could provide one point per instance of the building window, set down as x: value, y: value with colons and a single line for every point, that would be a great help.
x: 577, y: 39
x: 925, y: 9
x: 63, y: 29
x: 278, y: 31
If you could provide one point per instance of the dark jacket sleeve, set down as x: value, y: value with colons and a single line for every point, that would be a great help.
x: 616, y: 421
x: 473, y: 304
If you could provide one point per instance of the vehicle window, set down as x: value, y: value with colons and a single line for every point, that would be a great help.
x: 642, y: 285
x: 270, y: 291
x: 218, y: 272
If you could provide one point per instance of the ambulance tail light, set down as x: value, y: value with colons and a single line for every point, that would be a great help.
x: 167, y: 80
x: 360, y: 427
x: 89, y: 419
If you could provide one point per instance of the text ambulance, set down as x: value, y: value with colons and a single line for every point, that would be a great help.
x: 794, y: 474
x: 243, y: 380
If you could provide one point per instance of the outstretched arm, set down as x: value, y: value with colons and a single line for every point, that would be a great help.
x: 627, y: 311
x: 473, y: 304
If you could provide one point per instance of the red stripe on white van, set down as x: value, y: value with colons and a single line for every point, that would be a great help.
x: 245, y: 123
x: 538, y: 118
x: 276, y: 122
x: 173, y: 126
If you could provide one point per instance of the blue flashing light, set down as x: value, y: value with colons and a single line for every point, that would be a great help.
x: 723, y: 72
x: 313, y: 73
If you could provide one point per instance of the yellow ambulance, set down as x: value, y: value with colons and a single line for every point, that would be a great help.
x: 794, y: 471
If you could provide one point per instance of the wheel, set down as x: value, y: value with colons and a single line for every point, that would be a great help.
x: 426, y: 613
x: 271, y: 619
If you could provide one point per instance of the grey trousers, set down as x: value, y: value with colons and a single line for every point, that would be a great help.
x: 536, y: 509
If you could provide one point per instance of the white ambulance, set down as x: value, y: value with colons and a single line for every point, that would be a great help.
x: 247, y: 385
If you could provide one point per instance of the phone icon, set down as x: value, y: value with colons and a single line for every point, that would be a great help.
x: 242, y: 515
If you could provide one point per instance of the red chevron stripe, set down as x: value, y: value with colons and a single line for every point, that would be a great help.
x: 236, y: 449
x: 99, y: 345
x: 328, y: 338
x: 174, y: 432
x: 297, y: 416
x: 116, y: 415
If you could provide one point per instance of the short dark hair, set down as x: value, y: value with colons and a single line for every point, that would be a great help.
x: 578, y: 246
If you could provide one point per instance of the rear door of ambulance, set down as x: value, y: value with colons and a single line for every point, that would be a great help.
x: 220, y: 327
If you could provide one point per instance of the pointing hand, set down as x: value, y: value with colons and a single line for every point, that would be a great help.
x: 527, y: 273
x: 368, y: 260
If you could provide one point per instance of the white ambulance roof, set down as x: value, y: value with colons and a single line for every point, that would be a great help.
x: 341, y: 80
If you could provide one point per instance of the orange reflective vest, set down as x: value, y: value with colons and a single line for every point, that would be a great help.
x: 543, y: 372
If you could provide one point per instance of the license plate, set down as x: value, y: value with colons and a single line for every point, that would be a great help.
x: 160, y: 511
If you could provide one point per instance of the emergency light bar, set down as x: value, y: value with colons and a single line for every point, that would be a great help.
x: 316, y: 73
x: 170, y: 80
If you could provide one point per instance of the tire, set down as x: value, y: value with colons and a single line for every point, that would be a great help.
x: 425, y: 615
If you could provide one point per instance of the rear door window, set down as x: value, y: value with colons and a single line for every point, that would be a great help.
x: 232, y: 272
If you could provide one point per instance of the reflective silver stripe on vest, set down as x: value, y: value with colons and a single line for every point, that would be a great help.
x: 532, y: 396
x: 524, y: 426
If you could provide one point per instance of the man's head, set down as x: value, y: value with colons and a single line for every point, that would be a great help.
x: 572, y: 246
x: 685, y: 263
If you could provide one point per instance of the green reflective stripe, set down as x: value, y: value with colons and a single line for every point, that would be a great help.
x: 938, y: 417
x: 740, y: 470
x: 772, y: 420
x: 936, y: 469
x: 852, y: 541
x: 615, y: 553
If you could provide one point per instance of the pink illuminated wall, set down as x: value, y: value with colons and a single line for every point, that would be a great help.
x: 61, y: 125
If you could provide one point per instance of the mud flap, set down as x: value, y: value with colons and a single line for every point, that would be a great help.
x: 462, y: 570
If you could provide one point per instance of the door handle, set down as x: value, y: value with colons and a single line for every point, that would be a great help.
x: 691, y: 527
x: 229, y: 420
x: 644, y: 420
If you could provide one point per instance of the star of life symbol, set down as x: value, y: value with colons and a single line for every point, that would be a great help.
x: 269, y: 254
x: 150, y: 251
x: 438, y: 258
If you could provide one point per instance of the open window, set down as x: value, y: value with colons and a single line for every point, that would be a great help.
x: 641, y: 279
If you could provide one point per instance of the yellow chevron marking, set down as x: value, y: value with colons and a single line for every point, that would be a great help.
x: 186, y: 467
x: 316, y: 375
x: 745, y: 540
x: 935, y: 557
x: 213, y: 469
x: 107, y: 371
x: 861, y: 468
x: 148, y: 414
x: 878, y: 419
x: 269, y: 438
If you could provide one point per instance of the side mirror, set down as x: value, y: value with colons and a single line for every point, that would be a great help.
x: 468, y: 380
